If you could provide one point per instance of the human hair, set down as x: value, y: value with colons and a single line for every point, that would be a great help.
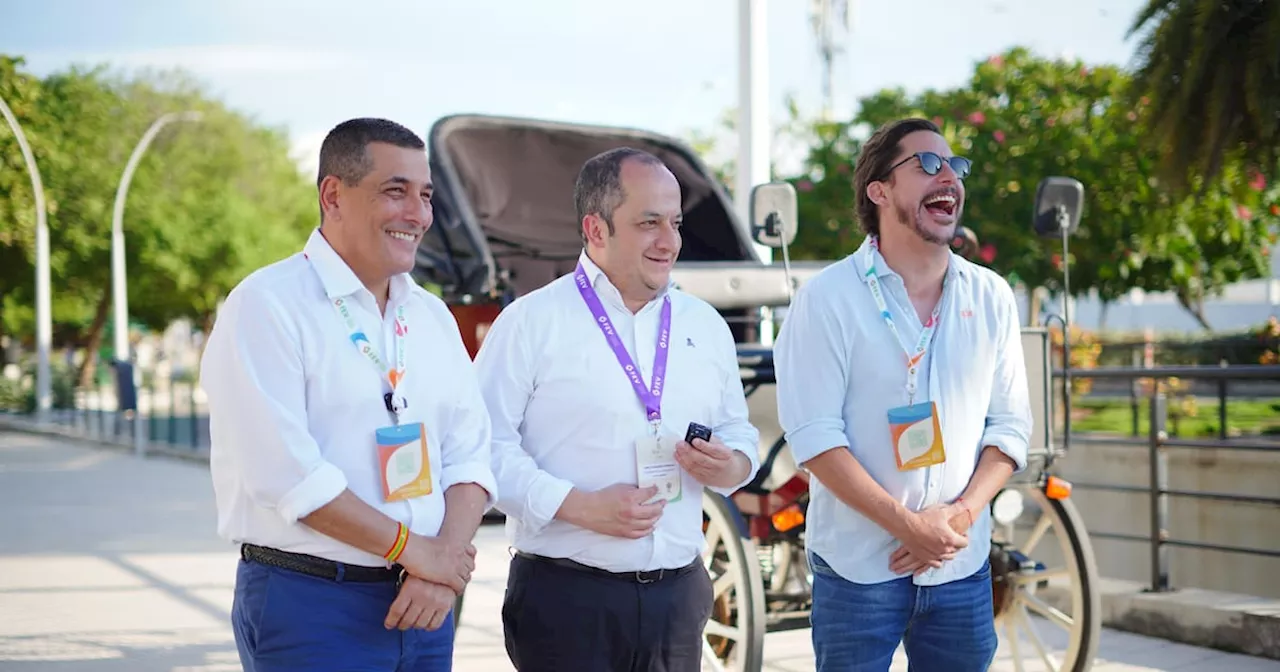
x: 877, y: 154
x: 343, y: 153
x: 598, y: 190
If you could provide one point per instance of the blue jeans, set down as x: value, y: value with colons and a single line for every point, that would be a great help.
x: 945, y: 628
x: 286, y: 621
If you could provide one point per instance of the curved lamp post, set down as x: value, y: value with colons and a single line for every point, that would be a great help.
x: 119, y: 297
x: 44, y: 311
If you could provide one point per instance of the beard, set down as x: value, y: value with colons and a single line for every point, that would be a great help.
x: 914, y: 219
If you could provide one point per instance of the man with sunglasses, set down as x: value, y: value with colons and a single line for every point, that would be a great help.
x: 902, y: 390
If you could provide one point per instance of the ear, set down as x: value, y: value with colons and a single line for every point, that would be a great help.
x: 330, y: 188
x: 595, y: 230
x: 876, y: 192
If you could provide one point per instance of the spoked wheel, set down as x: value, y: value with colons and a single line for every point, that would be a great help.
x: 734, y: 636
x: 1045, y: 581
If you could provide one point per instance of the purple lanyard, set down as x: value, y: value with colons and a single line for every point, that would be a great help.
x: 652, y: 399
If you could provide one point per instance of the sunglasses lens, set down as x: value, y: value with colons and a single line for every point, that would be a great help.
x: 930, y: 163
x: 961, y: 165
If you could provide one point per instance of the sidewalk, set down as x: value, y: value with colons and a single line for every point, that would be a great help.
x: 111, y: 563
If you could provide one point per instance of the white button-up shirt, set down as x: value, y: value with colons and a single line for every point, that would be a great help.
x: 839, y: 371
x: 565, y: 415
x: 293, y: 404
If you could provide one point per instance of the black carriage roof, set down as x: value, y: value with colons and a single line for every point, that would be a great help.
x: 504, y: 189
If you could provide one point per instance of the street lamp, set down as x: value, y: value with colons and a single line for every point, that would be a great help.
x: 119, y: 297
x: 44, y: 309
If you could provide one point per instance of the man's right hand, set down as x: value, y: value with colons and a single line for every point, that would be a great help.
x: 618, y: 510
x: 929, y: 536
x: 439, y: 560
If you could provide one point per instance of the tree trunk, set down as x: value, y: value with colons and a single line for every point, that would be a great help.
x: 1195, y: 307
x: 94, y: 340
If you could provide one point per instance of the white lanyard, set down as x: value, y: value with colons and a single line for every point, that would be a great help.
x: 395, y: 403
x: 926, y: 335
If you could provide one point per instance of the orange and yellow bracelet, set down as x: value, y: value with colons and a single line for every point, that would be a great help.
x: 402, y: 540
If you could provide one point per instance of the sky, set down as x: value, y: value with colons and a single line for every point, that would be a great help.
x: 663, y: 65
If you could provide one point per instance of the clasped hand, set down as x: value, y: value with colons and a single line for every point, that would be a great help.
x: 436, y: 571
x: 933, y: 536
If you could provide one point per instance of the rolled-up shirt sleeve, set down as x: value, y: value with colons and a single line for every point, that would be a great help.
x: 809, y: 359
x: 1008, y: 425
x: 466, y: 453
x: 735, y: 428
x: 506, y: 371
x: 253, y: 378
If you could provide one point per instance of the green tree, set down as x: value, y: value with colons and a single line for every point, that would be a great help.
x: 1212, y: 72
x: 209, y: 202
x: 21, y: 92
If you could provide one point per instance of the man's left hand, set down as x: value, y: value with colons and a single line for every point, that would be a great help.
x: 420, y: 604
x: 712, y: 463
x: 902, y: 562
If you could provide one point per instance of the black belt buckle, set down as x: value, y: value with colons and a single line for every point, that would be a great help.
x: 640, y: 576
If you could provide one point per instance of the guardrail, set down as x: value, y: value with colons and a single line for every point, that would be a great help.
x: 1159, y: 443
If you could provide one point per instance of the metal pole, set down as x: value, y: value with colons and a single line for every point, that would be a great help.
x: 1158, y: 483
x: 119, y: 295
x: 44, y: 304
x: 754, y: 141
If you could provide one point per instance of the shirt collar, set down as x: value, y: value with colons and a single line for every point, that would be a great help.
x: 599, y: 281
x: 338, y: 278
x: 866, y: 255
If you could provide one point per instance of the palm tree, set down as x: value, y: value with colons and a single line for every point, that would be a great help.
x: 1210, y: 70
x: 827, y: 17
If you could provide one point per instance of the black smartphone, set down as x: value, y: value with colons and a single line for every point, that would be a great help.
x: 697, y: 431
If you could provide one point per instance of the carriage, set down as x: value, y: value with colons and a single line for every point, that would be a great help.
x: 504, y: 225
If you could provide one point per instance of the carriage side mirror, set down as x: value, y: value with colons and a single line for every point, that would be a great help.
x: 773, y: 214
x: 1058, y: 204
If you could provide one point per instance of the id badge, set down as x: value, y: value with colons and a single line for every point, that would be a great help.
x: 404, y: 462
x: 916, y: 435
x: 656, y: 465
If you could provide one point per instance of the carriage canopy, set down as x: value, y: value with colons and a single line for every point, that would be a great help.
x: 504, y: 215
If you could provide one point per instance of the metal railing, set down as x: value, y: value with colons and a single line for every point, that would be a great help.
x: 1159, y: 443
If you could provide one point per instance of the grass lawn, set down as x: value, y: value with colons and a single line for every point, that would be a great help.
x: 1250, y: 417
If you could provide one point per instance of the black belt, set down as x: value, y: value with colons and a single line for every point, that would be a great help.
x: 649, y: 576
x: 325, y: 569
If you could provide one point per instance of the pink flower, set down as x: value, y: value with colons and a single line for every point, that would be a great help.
x: 1259, y: 181
x: 996, y: 60
x: 977, y: 118
x: 1050, y: 122
x: 1243, y: 212
x: 987, y: 253
x: 999, y: 136
x: 804, y: 185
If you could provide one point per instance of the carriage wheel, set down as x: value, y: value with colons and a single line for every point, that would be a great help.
x: 734, y: 636
x: 1047, y: 601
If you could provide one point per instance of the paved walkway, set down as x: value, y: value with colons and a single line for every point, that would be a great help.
x: 110, y: 563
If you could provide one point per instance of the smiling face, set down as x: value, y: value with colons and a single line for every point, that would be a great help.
x: 929, y: 205
x: 375, y: 224
x: 640, y: 252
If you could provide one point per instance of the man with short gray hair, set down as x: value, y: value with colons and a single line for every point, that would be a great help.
x: 594, y: 382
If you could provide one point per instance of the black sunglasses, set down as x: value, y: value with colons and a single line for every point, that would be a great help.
x: 931, y: 163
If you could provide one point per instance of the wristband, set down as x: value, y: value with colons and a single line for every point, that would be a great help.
x: 402, y: 539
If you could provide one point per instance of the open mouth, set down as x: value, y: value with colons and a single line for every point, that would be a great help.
x: 942, y: 204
